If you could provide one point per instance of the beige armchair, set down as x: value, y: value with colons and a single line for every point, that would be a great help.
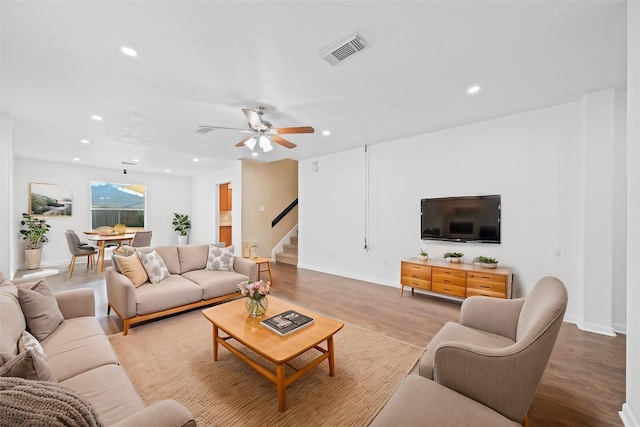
x: 494, y: 357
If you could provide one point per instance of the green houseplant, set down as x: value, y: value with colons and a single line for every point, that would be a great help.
x: 423, y: 255
x: 486, y: 262
x: 454, y: 256
x: 34, y: 231
x: 181, y: 224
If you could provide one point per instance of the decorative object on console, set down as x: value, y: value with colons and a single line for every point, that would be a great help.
x: 423, y: 255
x: 255, y: 294
x: 454, y: 256
x: 486, y: 262
x: 34, y: 231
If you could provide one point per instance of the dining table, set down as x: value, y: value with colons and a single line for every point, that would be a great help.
x: 102, y: 241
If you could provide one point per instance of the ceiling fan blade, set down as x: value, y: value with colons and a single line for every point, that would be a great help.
x: 242, y: 143
x: 282, y: 142
x: 254, y: 119
x: 298, y: 129
x: 207, y: 128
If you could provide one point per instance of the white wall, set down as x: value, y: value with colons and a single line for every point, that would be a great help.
x: 205, y: 206
x: 165, y: 194
x: 630, y: 413
x: 530, y: 159
x: 6, y: 179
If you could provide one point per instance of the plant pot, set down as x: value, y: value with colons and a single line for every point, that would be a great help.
x: 455, y: 260
x: 423, y: 257
x: 182, y: 240
x: 33, y: 257
x: 486, y: 265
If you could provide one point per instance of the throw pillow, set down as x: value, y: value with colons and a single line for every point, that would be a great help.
x: 40, y: 308
x: 220, y: 258
x: 131, y: 267
x: 154, y: 266
x: 29, y: 342
x: 26, y: 365
x: 121, y: 251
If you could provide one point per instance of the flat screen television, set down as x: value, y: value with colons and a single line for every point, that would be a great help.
x: 473, y: 219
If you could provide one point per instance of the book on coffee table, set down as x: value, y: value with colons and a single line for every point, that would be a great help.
x: 287, y: 322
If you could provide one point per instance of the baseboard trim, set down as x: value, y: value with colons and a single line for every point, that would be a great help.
x: 627, y: 416
x: 597, y: 329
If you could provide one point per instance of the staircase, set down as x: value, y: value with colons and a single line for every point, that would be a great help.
x: 289, y: 255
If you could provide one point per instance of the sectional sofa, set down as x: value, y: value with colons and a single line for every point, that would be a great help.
x: 63, y: 370
x: 179, y: 278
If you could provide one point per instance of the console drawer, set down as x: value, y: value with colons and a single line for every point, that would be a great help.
x: 418, y: 271
x: 472, y: 292
x: 445, y: 288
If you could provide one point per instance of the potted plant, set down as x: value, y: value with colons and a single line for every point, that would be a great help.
x: 454, y: 256
x: 423, y: 254
x: 34, y: 231
x: 181, y: 224
x: 486, y: 262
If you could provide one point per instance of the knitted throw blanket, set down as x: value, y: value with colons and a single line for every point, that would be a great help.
x: 39, y: 403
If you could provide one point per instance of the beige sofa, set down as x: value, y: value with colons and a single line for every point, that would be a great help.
x: 483, y: 371
x: 79, y: 358
x: 189, y: 285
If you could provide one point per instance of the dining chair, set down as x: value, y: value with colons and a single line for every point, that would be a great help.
x: 141, y: 239
x: 78, y: 249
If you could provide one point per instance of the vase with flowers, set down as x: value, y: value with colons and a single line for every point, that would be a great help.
x: 255, y: 294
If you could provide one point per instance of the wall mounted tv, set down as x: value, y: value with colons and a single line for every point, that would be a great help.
x: 473, y: 219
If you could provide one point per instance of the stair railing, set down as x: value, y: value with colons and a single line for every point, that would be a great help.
x: 284, y: 213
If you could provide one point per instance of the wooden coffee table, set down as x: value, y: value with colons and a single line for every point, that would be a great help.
x: 232, y: 318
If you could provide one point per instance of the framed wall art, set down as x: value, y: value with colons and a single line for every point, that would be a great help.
x: 49, y: 199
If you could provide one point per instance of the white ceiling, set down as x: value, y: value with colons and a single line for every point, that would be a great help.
x: 200, y: 62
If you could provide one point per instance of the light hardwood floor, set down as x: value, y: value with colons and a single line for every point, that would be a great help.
x: 583, y: 385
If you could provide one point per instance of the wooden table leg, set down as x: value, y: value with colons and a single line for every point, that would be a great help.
x: 101, y: 255
x: 281, y: 385
x: 332, y: 366
x: 215, y: 343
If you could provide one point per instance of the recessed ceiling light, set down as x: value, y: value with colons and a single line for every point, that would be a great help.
x: 326, y: 132
x: 473, y: 89
x: 77, y: 159
x: 85, y: 141
x: 96, y: 117
x: 136, y: 160
x: 128, y: 51
x: 168, y: 170
x: 196, y: 160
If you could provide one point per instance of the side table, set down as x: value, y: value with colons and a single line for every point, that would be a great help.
x: 263, y: 262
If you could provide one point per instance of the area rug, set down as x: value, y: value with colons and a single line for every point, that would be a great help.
x: 172, y: 359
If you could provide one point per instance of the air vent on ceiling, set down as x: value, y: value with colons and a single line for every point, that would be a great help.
x: 128, y: 163
x: 343, y: 48
x: 203, y: 129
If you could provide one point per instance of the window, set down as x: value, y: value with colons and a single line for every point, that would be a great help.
x: 113, y: 204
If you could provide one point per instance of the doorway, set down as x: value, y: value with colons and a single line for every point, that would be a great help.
x: 225, y: 214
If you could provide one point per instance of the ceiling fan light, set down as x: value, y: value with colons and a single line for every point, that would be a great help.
x: 251, y: 142
x: 265, y: 144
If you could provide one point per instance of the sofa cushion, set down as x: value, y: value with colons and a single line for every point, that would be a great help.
x: 29, y: 342
x: 132, y: 267
x: 40, y: 308
x: 12, y: 321
x: 154, y: 266
x: 192, y: 257
x: 452, y: 331
x: 421, y: 402
x: 173, y: 291
x: 109, y: 390
x: 220, y: 258
x: 121, y: 251
x: 26, y: 365
x: 38, y: 403
x: 216, y: 283
x: 78, y: 345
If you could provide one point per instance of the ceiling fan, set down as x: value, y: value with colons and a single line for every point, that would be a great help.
x: 263, y: 132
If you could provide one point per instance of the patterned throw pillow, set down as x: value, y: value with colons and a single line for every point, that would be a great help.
x: 155, y: 266
x: 29, y: 342
x: 220, y: 258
